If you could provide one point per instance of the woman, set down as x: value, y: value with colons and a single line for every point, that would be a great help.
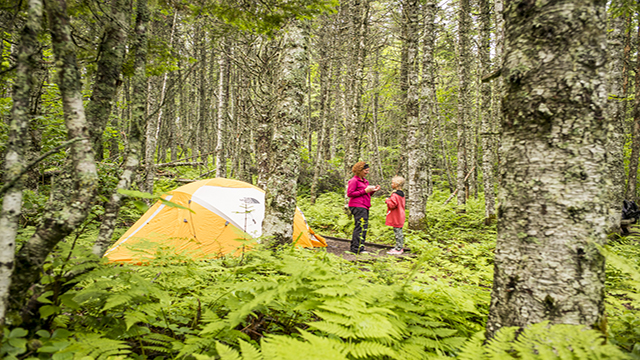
x: 359, y: 192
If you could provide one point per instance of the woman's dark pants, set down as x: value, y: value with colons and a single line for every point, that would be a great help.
x: 361, y: 218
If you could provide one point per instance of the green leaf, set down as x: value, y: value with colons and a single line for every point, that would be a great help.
x: 48, y: 310
x: 18, y: 333
x: 43, y: 298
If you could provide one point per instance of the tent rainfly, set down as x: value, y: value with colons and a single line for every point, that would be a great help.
x: 225, y: 213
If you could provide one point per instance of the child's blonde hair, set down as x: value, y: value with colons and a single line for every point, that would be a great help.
x: 399, y: 180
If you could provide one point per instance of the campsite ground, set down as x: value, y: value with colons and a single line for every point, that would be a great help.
x: 340, y: 247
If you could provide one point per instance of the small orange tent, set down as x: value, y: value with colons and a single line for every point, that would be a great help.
x: 224, y: 214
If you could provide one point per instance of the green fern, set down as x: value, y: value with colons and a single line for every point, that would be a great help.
x: 544, y: 342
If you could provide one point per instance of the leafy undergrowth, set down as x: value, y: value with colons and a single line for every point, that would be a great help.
x: 309, y: 304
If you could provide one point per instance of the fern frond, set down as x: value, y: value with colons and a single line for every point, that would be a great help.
x: 249, y: 352
x: 333, y: 329
x: 472, y: 349
x: 368, y: 349
x: 287, y: 348
x: 227, y: 353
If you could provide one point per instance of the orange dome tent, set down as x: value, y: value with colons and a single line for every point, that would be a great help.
x: 225, y: 213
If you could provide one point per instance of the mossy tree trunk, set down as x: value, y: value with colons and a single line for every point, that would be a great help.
x: 552, y: 196
x: 59, y: 223
x: 282, y: 182
x: 27, y: 55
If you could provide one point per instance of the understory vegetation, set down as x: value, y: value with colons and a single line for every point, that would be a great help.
x: 309, y: 304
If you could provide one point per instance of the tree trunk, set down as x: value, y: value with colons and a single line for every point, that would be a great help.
x: 552, y: 198
x: 463, y: 98
x: 616, y: 139
x: 27, y: 58
x: 105, y: 86
x: 498, y: 83
x: 56, y: 226
x: 138, y: 121
x: 635, y: 146
x: 485, y: 106
x: 416, y: 131
x: 281, y: 184
x: 223, y: 100
x: 203, y: 139
x: 323, y: 65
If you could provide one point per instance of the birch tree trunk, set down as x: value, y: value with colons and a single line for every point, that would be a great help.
x: 486, y: 120
x: 632, y: 192
x: 138, y: 121
x: 553, y: 190
x: 27, y: 58
x: 280, y: 196
x: 58, y: 224
x: 105, y: 86
x: 463, y: 98
x: 416, y: 131
x: 616, y: 139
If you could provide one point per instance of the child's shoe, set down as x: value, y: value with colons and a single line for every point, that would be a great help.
x: 395, y: 252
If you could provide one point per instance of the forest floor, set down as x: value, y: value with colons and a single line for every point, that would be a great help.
x: 340, y: 247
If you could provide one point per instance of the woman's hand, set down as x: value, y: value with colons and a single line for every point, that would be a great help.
x: 372, y: 188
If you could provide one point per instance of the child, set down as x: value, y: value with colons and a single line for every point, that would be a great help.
x: 395, y: 213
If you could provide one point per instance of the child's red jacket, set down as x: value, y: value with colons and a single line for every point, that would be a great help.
x: 395, y: 209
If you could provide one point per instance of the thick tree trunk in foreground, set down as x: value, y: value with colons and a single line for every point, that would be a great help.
x: 553, y: 179
x: 57, y: 225
x: 27, y: 55
x: 111, y: 52
x: 281, y: 184
x: 134, y: 153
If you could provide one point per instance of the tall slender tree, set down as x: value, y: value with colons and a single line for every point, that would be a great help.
x: 616, y: 139
x: 632, y: 182
x: 552, y: 197
x: 136, y: 132
x: 223, y: 100
x: 416, y: 131
x: 463, y: 97
x: 105, y: 86
x: 485, y: 109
